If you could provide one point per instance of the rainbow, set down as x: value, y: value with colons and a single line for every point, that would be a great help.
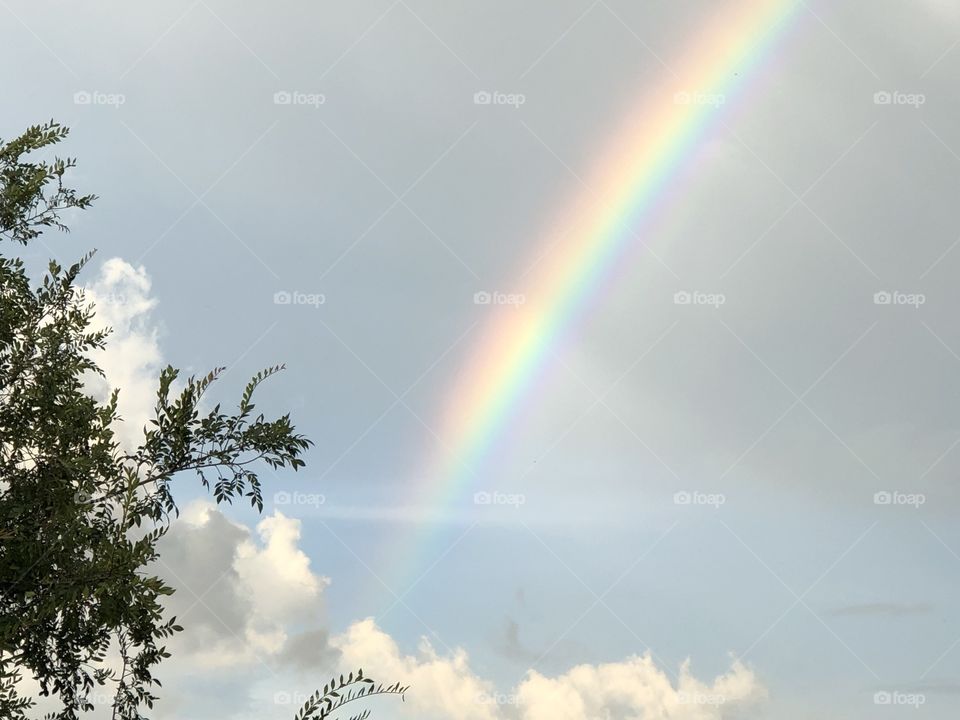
x: 646, y: 159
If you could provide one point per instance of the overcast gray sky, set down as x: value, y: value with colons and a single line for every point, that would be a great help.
x: 383, y: 188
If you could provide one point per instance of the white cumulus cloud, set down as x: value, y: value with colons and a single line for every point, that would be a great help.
x: 635, y: 689
x: 444, y: 686
x: 242, y: 597
x: 132, y: 360
x: 256, y: 644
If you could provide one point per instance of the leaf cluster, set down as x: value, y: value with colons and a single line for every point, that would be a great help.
x: 335, y: 694
x: 80, y: 515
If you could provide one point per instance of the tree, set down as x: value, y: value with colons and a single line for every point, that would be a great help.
x: 80, y: 516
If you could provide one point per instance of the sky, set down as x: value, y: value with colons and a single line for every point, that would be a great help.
x: 727, y: 486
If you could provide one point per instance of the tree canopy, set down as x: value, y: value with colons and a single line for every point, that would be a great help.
x: 80, y: 515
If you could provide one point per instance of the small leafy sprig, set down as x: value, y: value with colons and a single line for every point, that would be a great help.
x: 336, y: 694
x: 27, y: 205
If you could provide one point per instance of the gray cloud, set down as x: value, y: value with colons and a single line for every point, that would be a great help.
x: 309, y: 650
x: 239, y: 597
x: 198, y: 561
